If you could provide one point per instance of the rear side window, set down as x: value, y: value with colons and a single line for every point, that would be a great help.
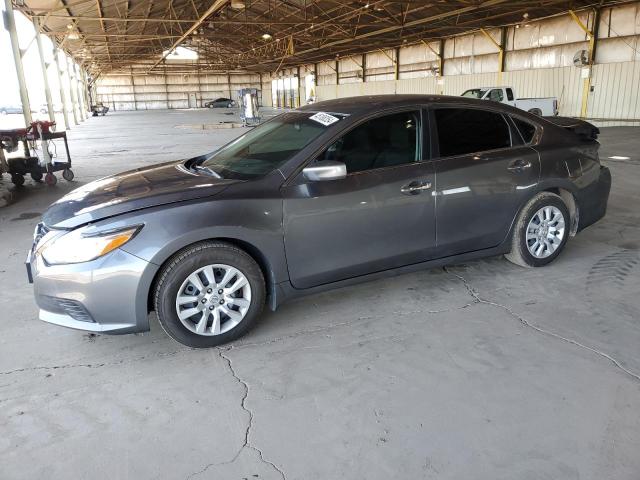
x: 466, y: 130
x: 526, y: 129
x: 509, y: 94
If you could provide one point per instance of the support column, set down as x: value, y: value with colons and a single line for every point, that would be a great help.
x: 81, y: 103
x: 43, y: 67
x: 500, y: 47
x: 396, y: 64
x: 592, y: 36
x: 133, y: 90
x: 201, y: 102
x: 10, y: 23
x: 85, y: 86
x: 337, y: 72
x: 315, y: 82
x: 63, y: 95
x: 440, y: 56
x: 74, y: 100
x: 299, y: 79
x: 166, y: 86
x: 503, y: 51
x: 364, y: 67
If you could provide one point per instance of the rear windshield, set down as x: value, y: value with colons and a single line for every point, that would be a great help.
x: 268, y: 146
x: 475, y: 93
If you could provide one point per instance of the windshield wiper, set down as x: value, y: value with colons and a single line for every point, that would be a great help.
x: 207, y: 170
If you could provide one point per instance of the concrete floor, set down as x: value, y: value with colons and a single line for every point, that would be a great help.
x: 483, y: 370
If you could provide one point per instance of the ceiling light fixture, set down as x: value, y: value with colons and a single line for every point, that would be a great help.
x: 72, y: 34
x: 266, y: 36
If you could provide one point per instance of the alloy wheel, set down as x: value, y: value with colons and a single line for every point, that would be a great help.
x: 213, y: 299
x: 545, y: 231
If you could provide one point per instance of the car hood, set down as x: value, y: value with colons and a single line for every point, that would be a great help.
x: 133, y: 190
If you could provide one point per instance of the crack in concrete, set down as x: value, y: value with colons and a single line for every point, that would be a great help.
x: 94, y: 365
x: 478, y: 299
x: 332, y: 326
x: 247, y: 442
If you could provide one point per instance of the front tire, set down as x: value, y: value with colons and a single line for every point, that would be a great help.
x: 209, y: 294
x: 541, y: 231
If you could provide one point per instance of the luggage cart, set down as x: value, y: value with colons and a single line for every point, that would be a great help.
x: 37, y: 168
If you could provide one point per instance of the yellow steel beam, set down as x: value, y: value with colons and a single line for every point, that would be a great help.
x: 586, y: 82
x: 500, y: 53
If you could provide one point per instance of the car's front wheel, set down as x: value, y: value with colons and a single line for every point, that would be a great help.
x: 208, y: 294
x: 541, y: 231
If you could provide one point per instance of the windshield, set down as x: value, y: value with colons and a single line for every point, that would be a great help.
x: 475, y: 93
x: 268, y: 146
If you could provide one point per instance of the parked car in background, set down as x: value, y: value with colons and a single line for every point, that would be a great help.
x: 330, y: 194
x: 220, y: 103
x: 44, y: 108
x: 99, y: 109
x: 6, y: 109
x: 545, y: 107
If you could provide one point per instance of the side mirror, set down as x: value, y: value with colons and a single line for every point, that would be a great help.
x: 325, y: 170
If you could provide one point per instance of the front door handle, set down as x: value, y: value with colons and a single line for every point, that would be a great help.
x: 414, y: 188
x: 519, y: 165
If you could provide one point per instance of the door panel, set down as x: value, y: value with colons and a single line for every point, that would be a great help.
x: 483, y: 176
x: 360, y: 224
x: 478, y: 195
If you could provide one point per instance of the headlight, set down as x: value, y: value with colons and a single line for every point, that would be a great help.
x: 82, y: 245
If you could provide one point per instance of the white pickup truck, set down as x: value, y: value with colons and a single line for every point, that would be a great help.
x: 545, y: 107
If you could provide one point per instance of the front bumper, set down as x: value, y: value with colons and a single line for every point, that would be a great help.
x: 106, y: 295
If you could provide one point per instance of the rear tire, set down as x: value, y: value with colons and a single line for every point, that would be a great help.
x: 170, y: 287
x: 537, y: 243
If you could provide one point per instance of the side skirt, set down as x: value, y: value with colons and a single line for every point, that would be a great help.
x: 285, y: 291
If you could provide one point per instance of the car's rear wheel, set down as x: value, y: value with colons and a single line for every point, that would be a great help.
x: 208, y: 294
x: 541, y: 231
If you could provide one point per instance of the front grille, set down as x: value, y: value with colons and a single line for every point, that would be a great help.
x: 73, y: 308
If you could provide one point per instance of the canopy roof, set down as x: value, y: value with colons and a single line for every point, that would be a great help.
x: 262, y: 35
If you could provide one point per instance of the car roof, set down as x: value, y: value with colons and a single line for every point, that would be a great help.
x: 371, y: 103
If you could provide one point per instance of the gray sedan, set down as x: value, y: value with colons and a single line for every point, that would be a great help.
x: 330, y: 194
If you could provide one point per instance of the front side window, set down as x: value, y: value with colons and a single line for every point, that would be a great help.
x: 268, y: 146
x: 470, y: 130
x: 496, y: 95
x: 382, y: 142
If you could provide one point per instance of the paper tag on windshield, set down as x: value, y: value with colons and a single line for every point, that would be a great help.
x: 324, y: 118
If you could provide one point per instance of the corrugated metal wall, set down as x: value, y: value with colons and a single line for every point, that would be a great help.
x: 538, y: 63
x: 616, y: 91
x: 149, y: 92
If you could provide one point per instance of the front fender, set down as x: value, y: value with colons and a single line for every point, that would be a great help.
x: 170, y: 228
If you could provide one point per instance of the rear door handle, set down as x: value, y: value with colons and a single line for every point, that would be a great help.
x: 414, y: 188
x: 519, y: 165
